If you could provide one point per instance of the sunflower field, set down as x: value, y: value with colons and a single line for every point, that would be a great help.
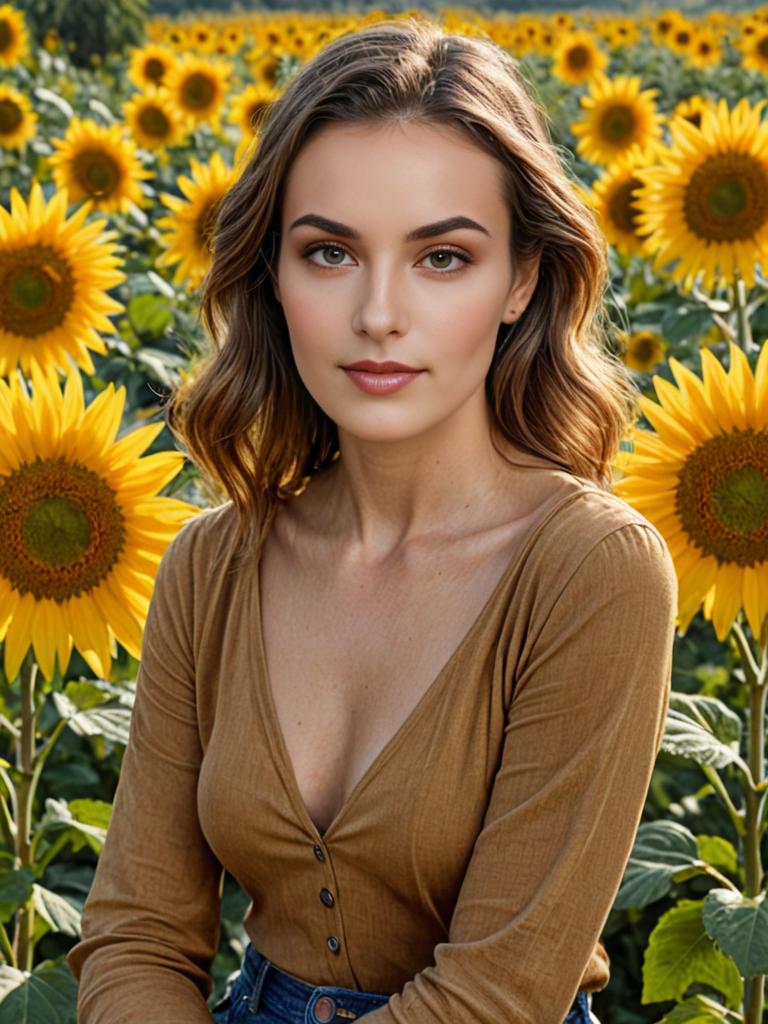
x: 117, y: 141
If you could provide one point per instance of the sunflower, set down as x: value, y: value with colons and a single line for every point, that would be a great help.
x: 620, y: 32
x: 664, y: 24
x: 54, y: 276
x: 199, y: 87
x: 14, y: 44
x: 265, y: 67
x: 702, y: 480
x: 149, y: 65
x: 641, y: 350
x: 201, y: 35
x: 97, y: 162
x: 577, y: 58
x: 706, y: 203
x: 755, y: 51
x: 248, y: 107
x: 705, y: 51
x: 619, y: 116
x: 692, y: 108
x: 17, y: 119
x: 154, y: 120
x: 613, y: 196
x: 83, y: 530
x: 681, y: 36
x: 190, y: 228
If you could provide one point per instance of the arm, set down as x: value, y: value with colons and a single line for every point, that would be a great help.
x: 151, y: 921
x: 584, y: 728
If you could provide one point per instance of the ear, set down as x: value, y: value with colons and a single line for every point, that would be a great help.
x: 276, y: 291
x: 526, y: 279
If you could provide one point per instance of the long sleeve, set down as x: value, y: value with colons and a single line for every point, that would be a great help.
x: 151, y: 922
x: 582, y: 733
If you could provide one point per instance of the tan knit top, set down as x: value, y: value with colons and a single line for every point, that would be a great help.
x: 474, y: 865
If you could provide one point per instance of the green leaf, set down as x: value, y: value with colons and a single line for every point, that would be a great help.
x: 739, y: 925
x: 680, y: 953
x: 46, y: 996
x: 700, y: 1009
x: 15, y: 890
x: 47, y: 96
x: 161, y: 284
x: 718, y: 852
x: 58, y: 913
x: 110, y: 718
x: 91, y: 812
x: 677, y: 326
x: 59, y: 815
x: 661, y: 849
x: 704, y: 730
x: 149, y: 316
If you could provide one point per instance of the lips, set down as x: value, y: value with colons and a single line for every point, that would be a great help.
x: 369, y: 366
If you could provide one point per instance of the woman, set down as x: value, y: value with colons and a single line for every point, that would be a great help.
x: 430, y: 832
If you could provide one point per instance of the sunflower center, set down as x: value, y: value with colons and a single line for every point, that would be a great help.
x: 154, y: 121
x: 620, y: 208
x: 727, y: 197
x: 617, y: 123
x: 578, y: 57
x: 154, y: 69
x: 6, y: 35
x: 96, y: 172
x: 722, y: 497
x: 11, y: 116
x: 61, y: 529
x: 199, y: 90
x: 762, y: 47
x: 36, y: 290
x: 644, y: 348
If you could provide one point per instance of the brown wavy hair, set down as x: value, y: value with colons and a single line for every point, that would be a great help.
x: 554, y: 387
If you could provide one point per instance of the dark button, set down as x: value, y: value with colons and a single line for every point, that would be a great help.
x: 333, y: 944
x: 327, y: 897
x: 325, y: 1008
x: 318, y: 851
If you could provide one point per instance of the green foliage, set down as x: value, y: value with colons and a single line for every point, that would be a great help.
x: 89, y: 29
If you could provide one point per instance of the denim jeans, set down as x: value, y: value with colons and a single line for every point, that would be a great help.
x: 263, y: 994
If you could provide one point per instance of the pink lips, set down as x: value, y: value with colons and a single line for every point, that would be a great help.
x: 381, y: 383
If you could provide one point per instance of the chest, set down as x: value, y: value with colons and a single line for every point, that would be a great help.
x: 351, y: 654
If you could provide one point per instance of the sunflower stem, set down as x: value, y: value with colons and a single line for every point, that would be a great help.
x: 6, y: 947
x: 737, y: 816
x: 754, y: 987
x: 751, y: 669
x: 24, y: 932
x: 742, y: 316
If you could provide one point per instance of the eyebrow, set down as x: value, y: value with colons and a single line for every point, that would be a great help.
x: 439, y: 227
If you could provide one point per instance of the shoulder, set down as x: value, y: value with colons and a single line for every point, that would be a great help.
x: 595, y: 537
x: 202, y: 545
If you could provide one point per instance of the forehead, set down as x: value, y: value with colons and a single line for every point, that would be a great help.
x: 402, y: 172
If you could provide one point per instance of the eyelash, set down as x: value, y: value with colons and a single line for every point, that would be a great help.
x: 319, y: 246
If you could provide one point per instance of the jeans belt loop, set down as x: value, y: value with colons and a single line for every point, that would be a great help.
x: 252, y: 1001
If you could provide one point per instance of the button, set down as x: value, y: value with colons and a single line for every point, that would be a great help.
x: 327, y: 897
x: 325, y: 1008
x: 333, y: 944
x: 318, y: 851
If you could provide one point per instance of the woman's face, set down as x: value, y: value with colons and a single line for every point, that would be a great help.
x: 362, y: 289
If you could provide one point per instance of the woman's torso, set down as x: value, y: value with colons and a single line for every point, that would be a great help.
x: 352, y: 649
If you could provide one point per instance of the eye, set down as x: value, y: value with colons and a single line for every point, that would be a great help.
x: 444, y: 250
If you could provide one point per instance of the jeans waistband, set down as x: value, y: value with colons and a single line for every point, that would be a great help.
x: 282, y: 993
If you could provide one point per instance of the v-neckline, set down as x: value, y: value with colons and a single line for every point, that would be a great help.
x: 272, y: 722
